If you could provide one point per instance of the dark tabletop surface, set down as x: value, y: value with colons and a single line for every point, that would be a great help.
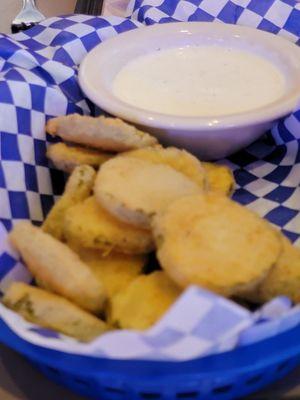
x: 20, y: 381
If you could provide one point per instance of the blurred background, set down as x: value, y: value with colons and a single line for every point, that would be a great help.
x: 10, y: 8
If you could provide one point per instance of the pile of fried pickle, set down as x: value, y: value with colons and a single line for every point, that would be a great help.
x: 127, y: 198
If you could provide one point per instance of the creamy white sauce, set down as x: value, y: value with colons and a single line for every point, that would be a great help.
x: 199, y: 81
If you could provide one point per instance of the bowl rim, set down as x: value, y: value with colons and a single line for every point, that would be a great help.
x: 107, y: 101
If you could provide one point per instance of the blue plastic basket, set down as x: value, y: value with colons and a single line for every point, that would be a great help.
x: 224, y: 376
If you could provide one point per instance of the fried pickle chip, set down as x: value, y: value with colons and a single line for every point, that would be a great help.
x: 144, y: 301
x: 68, y: 157
x: 88, y: 225
x: 78, y: 188
x: 283, y: 279
x: 115, y: 271
x: 58, y: 267
x: 211, y: 241
x: 54, y: 312
x: 109, y: 134
x: 180, y: 160
x: 219, y: 178
x: 135, y: 190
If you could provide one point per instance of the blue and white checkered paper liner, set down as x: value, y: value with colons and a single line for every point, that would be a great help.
x: 38, y: 80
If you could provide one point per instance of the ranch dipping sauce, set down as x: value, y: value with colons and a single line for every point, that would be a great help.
x: 199, y: 81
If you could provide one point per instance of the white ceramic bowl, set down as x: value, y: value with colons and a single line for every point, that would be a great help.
x: 208, y: 137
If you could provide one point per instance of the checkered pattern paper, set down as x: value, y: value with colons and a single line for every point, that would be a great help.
x: 276, y: 16
x: 38, y: 80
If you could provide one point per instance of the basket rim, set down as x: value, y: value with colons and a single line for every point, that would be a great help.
x: 254, y: 356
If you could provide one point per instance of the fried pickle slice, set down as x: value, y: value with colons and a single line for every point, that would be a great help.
x: 57, y: 267
x: 79, y: 186
x: 135, y: 190
x: 283, y: 279
x: 115, y: 271
x: 109, y: 134
x: 181, y: 160
x: 68, y: 157
x: 88, y: 225
x: 211, y: 241
x: 144, y: 301
x: 219, y: 178
x: 53, y: 312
